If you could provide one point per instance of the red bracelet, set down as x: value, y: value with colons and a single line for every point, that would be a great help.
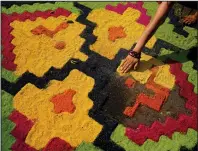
x: 135, y: 54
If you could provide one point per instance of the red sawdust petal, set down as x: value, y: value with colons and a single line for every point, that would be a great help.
x: 21, y: 130
x: 57, y: 144
x: 21, y: 146
x: 144, y: 19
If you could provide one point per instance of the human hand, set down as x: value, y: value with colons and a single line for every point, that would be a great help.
x: 129, y: 62
x: 189, y: 19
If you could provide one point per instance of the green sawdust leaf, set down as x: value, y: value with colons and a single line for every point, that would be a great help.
x: 165, y: 31
x: 95, y: 5
x: 187, y: 66
x: 151, y: 8
x: 188, y: 140
x: 7, y: 125
x: 40, y: 7
x: 49, y: 6
x: 8, y: 75
x: 87, y: 147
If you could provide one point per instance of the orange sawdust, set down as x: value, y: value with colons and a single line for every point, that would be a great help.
x: 43, y: 30
x: 63, y: 102
x: 158, y: 89
x: 116, y: 32
x: 130, y: 83
x: 60, y: 45
x: 155, y: 102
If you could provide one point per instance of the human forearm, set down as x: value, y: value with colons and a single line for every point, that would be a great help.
x: 149, y: 30
x: 133, y: 58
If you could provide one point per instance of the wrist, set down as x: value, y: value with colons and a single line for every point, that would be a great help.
x: 135, y: 54
x: 136, y: 50
x: 138, y: 47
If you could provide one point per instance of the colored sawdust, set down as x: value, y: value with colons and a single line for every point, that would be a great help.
x: 150, y: 7
x: 164, y: 77
x: 116, y: 33
x: 142, y: 74
x: 158, y: 88
x: 165, y: 31
x: 6, y: 125
x: 87, y: 147
x: 43, y: 54
x: 155, y: 102
x: 39, y: 30
x: 189, y: 140
x: 144, y: 19
x: 130, y: 83
x: 50, y: 6
x: 106, y: 19
x: 120, y: 96
x: 101, y: 4
x: 58, y: 144
x: 164, y: 144
x: 60, y: 45
x: 40, y: 7
x: 187, y: 64
x: 23, y: 126
x: 182, y: 123
x: 7, y: 37
x: 63, y: 102
x: 8, y: 75
x: 73, y: 128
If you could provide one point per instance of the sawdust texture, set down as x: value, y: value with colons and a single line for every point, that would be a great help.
x: 36, y: 53
x: 73, y: 128
x: 106, y: 19
x: 116, y: 33
x: 63, y: 102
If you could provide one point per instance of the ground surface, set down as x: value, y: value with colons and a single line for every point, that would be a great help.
x: 62, y: 89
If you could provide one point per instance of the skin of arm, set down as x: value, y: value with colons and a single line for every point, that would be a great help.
x: 158, y: 19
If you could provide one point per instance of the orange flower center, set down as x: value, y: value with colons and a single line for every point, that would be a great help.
x: 116, y: 32
x: 63, y: 102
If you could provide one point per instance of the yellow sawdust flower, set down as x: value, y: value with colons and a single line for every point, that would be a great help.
x: 74, y: 127
x: 106, y: 20
x: 37, y: 53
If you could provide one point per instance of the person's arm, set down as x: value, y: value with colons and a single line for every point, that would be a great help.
x: 131, y: 62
